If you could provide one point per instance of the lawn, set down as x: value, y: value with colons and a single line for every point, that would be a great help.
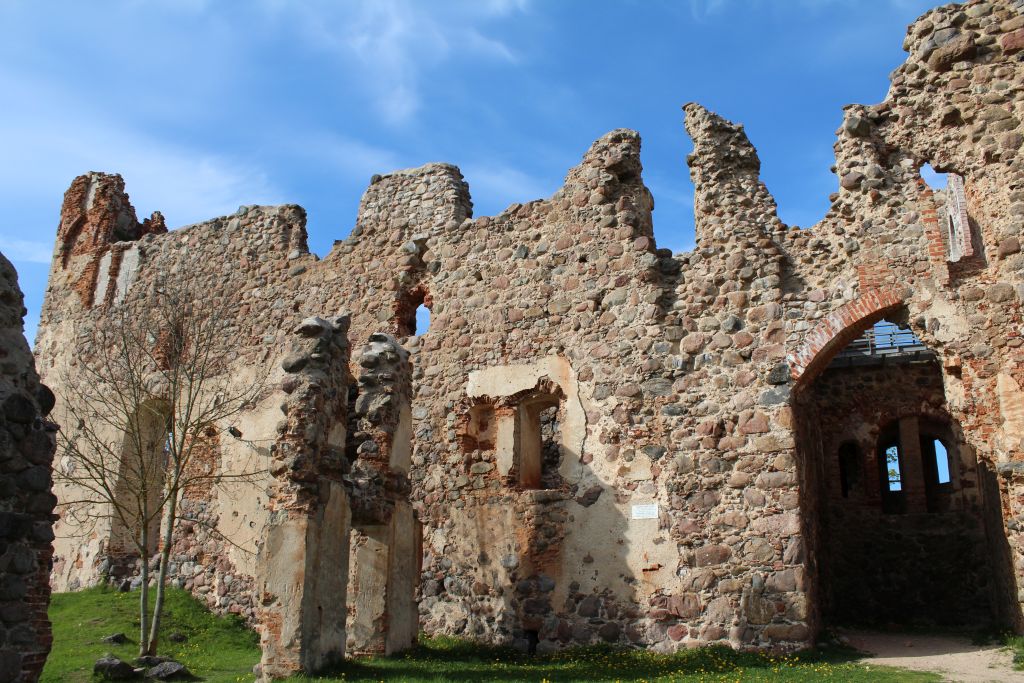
x: 222, y: 649
x: 448, y: 659
x: 217, y: 649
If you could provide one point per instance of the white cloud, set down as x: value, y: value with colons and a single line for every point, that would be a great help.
x: 55, y: 138
x: 393, y: 44
x: 494, y: 186
x: 29, y: 251
x: 337, y: 154
x: 703, y: 9
x: 355, y: 158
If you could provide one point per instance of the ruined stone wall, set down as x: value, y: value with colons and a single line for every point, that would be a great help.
x: 216, y: 562
x: 882, y: 250
x: 26, y: 503
x: 671, y: 377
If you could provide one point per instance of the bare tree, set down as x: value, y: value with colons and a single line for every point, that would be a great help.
x: 153, y: 387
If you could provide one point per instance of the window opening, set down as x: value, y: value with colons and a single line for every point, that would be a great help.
x: 941, y: 462
x: 938, y: 182
x: 951, y: 203
x: 422, y: 320
x: 938, y: 475
x: 551, y: 450
x: 894, y: 479
x: 412, y: 312
x: 538, y: 442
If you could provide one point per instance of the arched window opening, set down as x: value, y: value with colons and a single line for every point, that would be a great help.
x: 422, y: 320
x: 412, y: 312
x: 142, y: 465
x: 941, y: 462
x: 938, y: 468
x: 849, y: 468
x: 949, y: 193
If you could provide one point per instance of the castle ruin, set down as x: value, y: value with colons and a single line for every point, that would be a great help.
x: 598, y: 440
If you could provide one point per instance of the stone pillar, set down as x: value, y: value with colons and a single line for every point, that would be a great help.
x: 912, y: 471
x: 302, y: 562
x: 385, y: 546
x: 383, y: 579
x: 26, y: 500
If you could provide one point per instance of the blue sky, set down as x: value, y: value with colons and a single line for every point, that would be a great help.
x: 204, y: 105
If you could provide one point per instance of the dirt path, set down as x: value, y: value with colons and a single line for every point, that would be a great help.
x: 955, y: 658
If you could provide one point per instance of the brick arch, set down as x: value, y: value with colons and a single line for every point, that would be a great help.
x: 833, y: 332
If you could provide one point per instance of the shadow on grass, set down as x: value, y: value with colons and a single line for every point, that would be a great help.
x: 444, y: 659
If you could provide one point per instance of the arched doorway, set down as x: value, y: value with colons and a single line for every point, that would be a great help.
x: 892, y: 495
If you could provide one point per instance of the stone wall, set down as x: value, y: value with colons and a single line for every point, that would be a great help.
x: 26, y: 503
x: 684, y: 509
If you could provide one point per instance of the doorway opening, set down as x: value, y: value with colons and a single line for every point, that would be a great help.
x: 892, y: 493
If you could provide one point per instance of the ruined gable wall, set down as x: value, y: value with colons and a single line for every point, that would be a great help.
x: 883, y: 245
x: 572, y: 291
x: 26, y: 503
x: 242, y: 261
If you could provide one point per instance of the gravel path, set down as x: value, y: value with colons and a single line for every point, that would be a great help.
x: 955, y: 658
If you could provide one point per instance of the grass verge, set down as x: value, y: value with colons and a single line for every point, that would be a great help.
x: 222, y: 650
x: 442, y: 659
x: 1016, y: 645
x: 218, y: 649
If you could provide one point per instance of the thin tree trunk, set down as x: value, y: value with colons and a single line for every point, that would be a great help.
x: 165, y: 556
x: 144, y: 592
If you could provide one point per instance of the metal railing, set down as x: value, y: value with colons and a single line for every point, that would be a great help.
x: 880, y: 343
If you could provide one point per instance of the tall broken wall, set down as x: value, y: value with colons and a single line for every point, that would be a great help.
x: 883, y: 248
x: 678, y: 502
x: 26, y: 503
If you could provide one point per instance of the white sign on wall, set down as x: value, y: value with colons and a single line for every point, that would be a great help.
x: 646, y: 511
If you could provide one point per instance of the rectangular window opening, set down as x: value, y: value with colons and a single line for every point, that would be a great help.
x: 941, y: 462
x: 892, y: 466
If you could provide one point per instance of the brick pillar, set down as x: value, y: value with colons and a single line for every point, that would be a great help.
x: 911, y: 466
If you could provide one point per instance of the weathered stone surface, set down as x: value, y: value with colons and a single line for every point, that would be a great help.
x: 110, y: 668
x: 26, y: 504
x: 169, y: 671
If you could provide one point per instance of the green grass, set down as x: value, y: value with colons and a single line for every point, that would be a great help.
x: 222, y: 649
x: 439, y: 660
x: 1016, y: 645
x: 217, y: 649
